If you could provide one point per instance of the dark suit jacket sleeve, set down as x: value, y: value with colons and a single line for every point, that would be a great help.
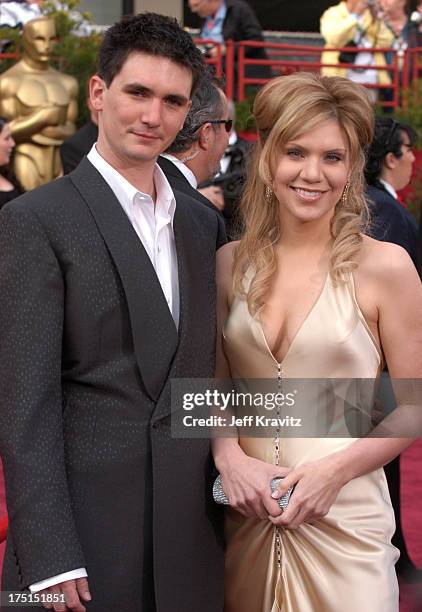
x: 31, y: 430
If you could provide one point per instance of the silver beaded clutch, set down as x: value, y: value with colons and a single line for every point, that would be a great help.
x: 221, y: 498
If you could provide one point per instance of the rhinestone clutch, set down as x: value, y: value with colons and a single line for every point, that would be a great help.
x: 221, y: 498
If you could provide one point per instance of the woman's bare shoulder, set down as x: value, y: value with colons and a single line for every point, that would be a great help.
x: 224, y: 269
x: 385, y: 265
x: 225, y: 258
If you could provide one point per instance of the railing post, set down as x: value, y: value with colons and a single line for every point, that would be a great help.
x: 405, y: 79
x: 229, y: 69
x: 240, y: 72
x: 218, y: 61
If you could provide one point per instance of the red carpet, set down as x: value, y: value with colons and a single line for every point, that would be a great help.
x: 411, y: 497
x: 411, y: 476
x: 2, y: 514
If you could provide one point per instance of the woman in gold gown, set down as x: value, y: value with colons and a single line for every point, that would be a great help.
x: 305, y: 294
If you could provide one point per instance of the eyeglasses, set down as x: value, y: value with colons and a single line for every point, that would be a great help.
x: 228, y: 123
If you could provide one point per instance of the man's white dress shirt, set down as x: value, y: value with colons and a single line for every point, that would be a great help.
x: 187, y: 172
x: 389, y: 188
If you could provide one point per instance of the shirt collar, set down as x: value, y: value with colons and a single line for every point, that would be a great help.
x: 389, y: 188
x: 187, y: 172
x: 126, y: 193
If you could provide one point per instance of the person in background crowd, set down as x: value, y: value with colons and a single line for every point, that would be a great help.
x: 103, y: 301
x: 416, y: 22
x: 8, y: 190
x: 232, y: 177
x: 394, y: 14
x: 79, y: 144
x: 404, y: 25
x: 231, y: 20
x: 195, y: 154
x: 414, y: 33
x: 389, y: 169
x: 356, y: 23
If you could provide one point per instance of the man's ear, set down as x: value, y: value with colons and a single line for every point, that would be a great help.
x: 97, y: 88
x: 390, y: 161
x: 205, y: 135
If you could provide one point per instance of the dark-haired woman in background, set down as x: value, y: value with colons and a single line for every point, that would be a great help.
x: 8, y: 190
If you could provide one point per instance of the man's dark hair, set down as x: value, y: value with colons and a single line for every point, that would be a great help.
x: 152, y: 34
x: 206, y: 106
x: 388, y: 138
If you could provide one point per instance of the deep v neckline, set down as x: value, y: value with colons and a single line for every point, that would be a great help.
x: 299, y: 329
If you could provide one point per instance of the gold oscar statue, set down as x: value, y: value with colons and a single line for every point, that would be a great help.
x: 41, y: 105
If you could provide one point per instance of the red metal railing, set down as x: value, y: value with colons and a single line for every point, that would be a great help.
x: 404, y: 71
x: 413, y: 71
x: 293, y: 58
x: 221, y: 56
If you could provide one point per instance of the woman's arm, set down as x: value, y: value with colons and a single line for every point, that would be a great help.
x: 245, y: 480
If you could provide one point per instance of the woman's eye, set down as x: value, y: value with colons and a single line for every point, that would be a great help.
x: 294, y: 153
x: 334, y: 157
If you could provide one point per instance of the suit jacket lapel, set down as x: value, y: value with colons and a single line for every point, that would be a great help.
x: 191, y: 272
x: 154, y: 332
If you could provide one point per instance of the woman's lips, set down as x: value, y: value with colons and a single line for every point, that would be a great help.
x: 308, y: 195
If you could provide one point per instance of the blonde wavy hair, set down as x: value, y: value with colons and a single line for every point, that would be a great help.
x: 285, y: 109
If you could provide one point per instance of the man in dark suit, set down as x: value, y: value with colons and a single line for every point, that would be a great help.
x: 79, y: 144
x: 388, y: 170
x: 232, y: 20
x: 195, y: 154
x: 106, y: 294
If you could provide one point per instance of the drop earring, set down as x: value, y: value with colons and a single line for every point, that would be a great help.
x: 268, y: 195
x: 345, y: 195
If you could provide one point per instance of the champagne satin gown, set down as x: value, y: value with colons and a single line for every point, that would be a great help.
x: 345, y: 561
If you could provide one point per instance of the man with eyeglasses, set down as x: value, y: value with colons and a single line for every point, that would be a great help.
x: 194, y: 156
x: 388, y: 169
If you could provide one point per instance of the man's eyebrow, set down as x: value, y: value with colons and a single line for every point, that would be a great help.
x: 138, y: 87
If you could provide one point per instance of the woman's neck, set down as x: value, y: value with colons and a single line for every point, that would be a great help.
x: 298, y: 235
